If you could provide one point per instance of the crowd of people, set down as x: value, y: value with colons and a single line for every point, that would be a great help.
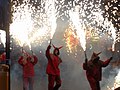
x: 93, y: 68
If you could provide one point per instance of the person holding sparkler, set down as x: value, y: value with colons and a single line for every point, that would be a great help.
x: 28, y: 61
x: 52, y: 69
x: 93, y: 69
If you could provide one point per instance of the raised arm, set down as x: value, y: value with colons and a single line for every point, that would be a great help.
x: 48, y: 52
x: 60, y: 60
x: 34, y: 59
x: 20, y: 61
x: 106, y: 63
x: 85, y: 65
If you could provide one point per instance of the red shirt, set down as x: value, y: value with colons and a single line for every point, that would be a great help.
x: 95, y: 70
x: 53, y: 63
x: 28, y: 68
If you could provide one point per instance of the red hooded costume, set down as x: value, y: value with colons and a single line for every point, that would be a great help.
x: 52, y: 69
x: 53, y: 63
x: 28, y: 68
x: 94, y: 71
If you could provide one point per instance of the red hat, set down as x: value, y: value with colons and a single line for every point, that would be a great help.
x: 94, y: 55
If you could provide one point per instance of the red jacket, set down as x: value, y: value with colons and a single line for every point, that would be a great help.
x: 28, y: 68
x: 53, y: 63
x: 95, y: 70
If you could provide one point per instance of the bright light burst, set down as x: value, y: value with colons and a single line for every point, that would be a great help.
x: 79, y: 26
x: 31, y: 24
x: 88, y: 13
x: 22, y: 24
x: 113, y: 31
x: 71, y: 39
x: 38, y: 23
x: 51, y: 15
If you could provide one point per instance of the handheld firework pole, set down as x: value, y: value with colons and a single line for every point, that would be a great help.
x: 50, y: 41
x: 85, y: 57
x: 32, y: 51
x: 23, y: 51
x: 113, y: 49
x: 85, y: 54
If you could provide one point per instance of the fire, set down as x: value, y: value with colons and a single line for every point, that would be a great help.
x: 71, y: 39
x: 22, y: 24
x: 26, y: 29
x: 51, y: 15
x: 35, y: 25
x: 113, y: 31
x: 78, y: 24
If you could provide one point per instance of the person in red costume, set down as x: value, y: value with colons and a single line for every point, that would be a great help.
x: 2, y: 57
x: 27, y: 62
x: 93, y: 69
x: 52, y: 69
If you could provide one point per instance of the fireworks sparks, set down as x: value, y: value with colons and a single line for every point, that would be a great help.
x: 34, y: 23
x: 114, y: 37
x: 51, y: 15
x: 79, y: 26
x: 71, y: 39
x: 2, y: 37
x: 38, y: 22
x: 29, y: 22
x: 22, y: 24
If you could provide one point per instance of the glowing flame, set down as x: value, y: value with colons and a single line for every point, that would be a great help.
x: 79, y: 26
x: 33, y: 25
x: 113, y: 36
x: 71, y: 39
x: 22, y: 24
x: 111, y: 29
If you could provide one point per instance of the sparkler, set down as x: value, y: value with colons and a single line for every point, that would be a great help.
x: 79, y: 26
x: 51, y: 14
x: 114, y: 39
x: 22, y: 24
x: 32, y: 21
x: 42, y: 22
x: 113, y: 31
x: 50, y: 41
